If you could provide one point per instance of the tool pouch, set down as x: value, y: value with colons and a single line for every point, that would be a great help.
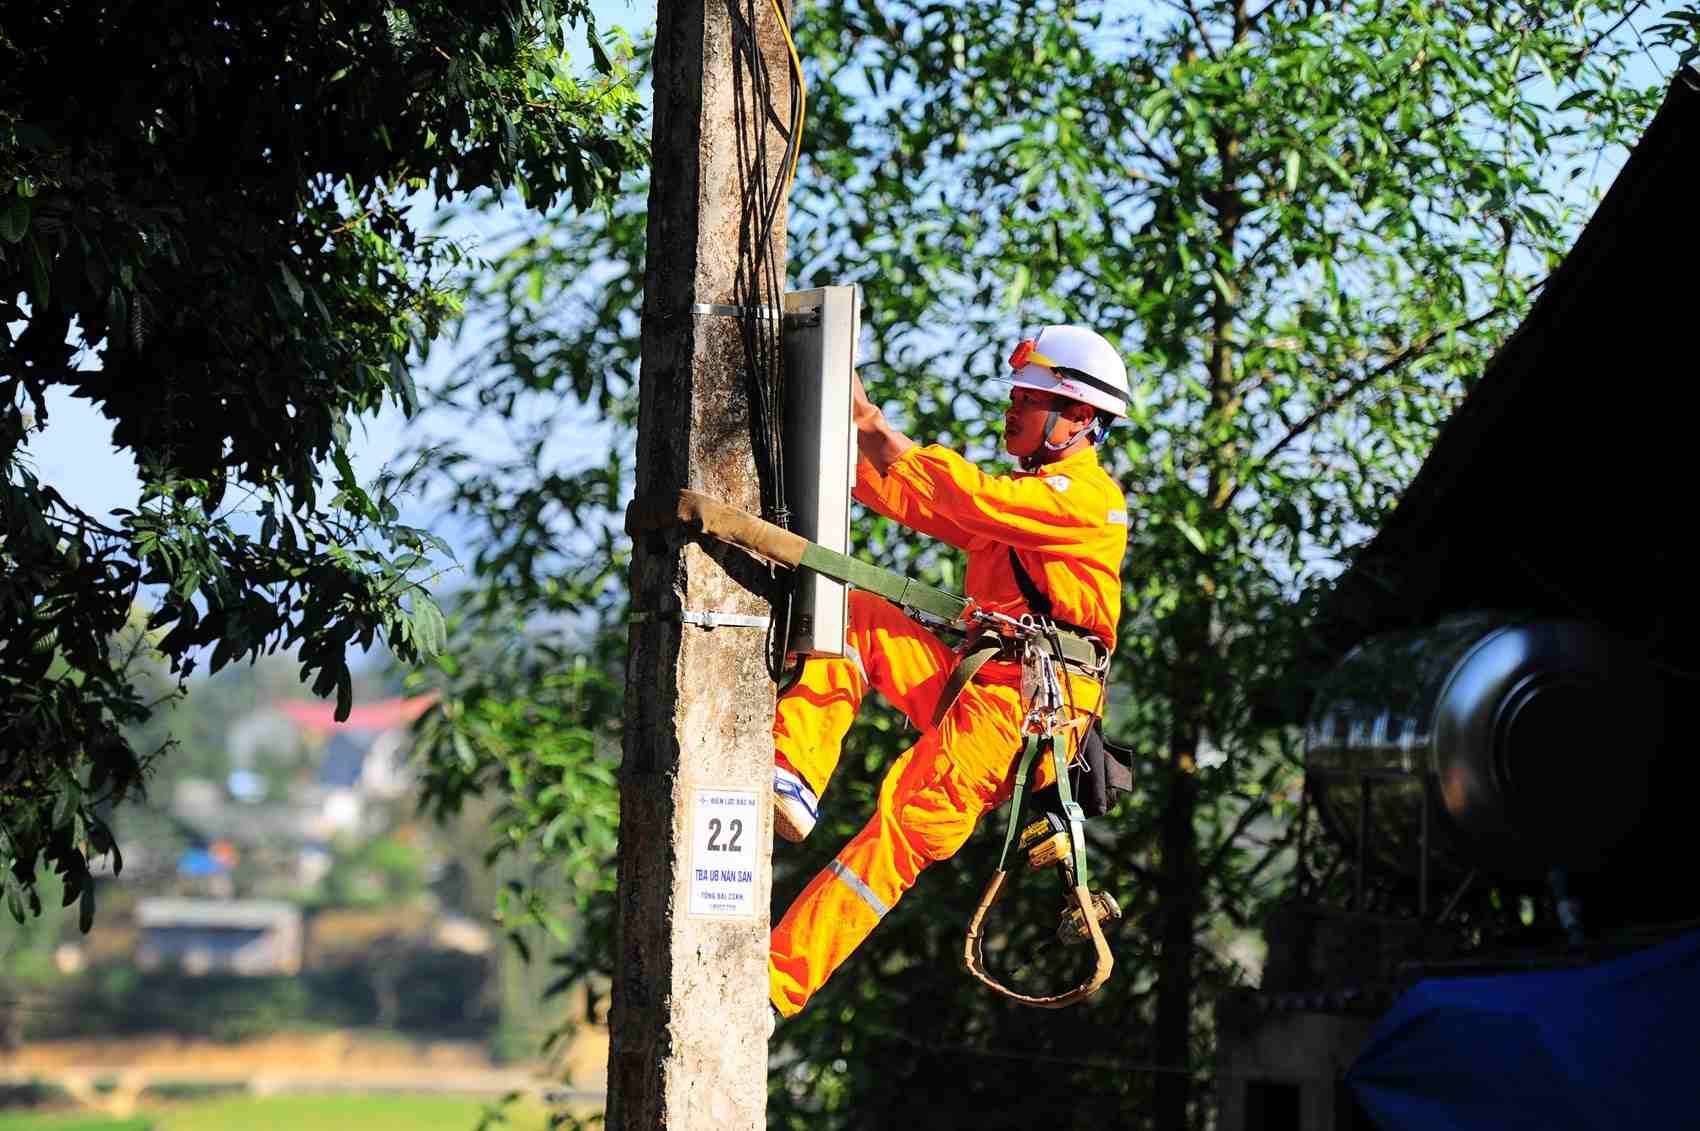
x: 1098, y: 777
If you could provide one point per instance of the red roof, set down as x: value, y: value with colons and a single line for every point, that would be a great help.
x: 318, y: 716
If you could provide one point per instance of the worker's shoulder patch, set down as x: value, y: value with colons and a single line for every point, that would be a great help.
x: 1058, y: 482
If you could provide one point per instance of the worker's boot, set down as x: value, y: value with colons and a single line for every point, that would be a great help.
x: 795, y: 805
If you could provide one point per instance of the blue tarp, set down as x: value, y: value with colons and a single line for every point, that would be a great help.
x: 1609, y: 1047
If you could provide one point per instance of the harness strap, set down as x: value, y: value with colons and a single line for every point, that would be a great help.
x: 1081, y: 652
x: 1075, y: 646
x: 694, y: 510
x: 1037, y: 599
x: 973, y: 659
x: 1072, y: 812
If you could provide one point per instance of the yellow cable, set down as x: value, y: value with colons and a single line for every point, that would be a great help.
x: 802, y: 96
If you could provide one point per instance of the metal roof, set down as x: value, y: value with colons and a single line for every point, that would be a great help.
x: 241, y: 913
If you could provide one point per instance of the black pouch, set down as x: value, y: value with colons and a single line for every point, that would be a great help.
x: 1099, y: 778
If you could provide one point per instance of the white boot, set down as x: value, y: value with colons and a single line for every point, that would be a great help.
x: 795, y: 805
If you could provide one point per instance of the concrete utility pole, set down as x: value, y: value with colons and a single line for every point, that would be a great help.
x: 689, y: 1016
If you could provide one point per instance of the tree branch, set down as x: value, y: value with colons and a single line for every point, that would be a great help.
x: 1599, y: 39
x: 1191, y: 9
x: 1253, y: 19
x: 1271, y: 852
x: 1251, y: 813
x: 1410, y: 353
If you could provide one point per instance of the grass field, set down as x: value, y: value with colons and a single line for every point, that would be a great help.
x: 70, y: 1123
x: 295, y: 1113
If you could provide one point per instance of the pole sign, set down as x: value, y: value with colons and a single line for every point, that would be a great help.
x: 725, y: 829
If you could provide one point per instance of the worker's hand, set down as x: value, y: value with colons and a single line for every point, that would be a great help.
x: 877, y: 441
x: 862, y: 410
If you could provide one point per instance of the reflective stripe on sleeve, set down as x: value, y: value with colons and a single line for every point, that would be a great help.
x: 854, y: 882
x: 850, y: 653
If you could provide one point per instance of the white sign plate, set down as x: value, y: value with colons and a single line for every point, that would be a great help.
x: 725, y: 829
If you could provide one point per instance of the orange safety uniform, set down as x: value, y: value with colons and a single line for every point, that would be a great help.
x: 1067, y: 523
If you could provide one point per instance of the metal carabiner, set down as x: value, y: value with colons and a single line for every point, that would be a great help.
x: 1041, y: 689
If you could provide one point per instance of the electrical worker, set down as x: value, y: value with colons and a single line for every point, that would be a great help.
x: 1053, y: 533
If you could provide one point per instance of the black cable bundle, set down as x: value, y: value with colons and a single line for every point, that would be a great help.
x: 759, y: 285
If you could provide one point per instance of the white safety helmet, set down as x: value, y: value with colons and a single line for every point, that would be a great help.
x: 1072, y: 362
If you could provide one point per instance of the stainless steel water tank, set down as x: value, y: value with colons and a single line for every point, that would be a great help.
x: 1535, y: 736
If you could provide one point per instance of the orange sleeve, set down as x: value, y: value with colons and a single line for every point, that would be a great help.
x: 1026, y: 512
x: 896, y: 500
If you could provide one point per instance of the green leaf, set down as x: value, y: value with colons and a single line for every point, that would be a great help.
x: 1293, y: 163
x: 69, y: 794
x: 85, y: 906
x: 1017, y: 287
x: 1191, y: 533
x: 15, y: 221
x: 463, y: 751
x: 429, y: 629
x: 344, y: 468
x: 40, y: 275
x: 401, y: 384
x: 344, y: 692
x: 291, y: 284
x: 14, y: 894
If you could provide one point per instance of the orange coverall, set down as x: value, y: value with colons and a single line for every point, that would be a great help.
x: 1067, y: 523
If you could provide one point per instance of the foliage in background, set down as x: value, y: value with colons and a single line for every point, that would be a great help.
x: 1308, y: 227
x: 543, y: 763
x: 207, y: 230
x: 1680, y: 29
x: 419, y: 991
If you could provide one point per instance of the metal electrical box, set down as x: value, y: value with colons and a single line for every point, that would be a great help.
x: 821, y: 330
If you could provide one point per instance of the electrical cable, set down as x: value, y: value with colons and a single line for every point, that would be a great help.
x: 802, y: 96
x: 758, y: 286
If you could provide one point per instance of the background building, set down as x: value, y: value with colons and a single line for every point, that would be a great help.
x: 1497, y: 766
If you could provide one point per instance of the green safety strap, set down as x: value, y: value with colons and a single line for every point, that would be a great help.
x: 903, y: 591
x: 1076, y: 648
x: 1071, y: 810
x: 975, y: 655
x: 1065, y: 794
x: 1021, y: 768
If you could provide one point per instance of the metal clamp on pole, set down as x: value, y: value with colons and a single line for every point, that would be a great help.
x: 722, y: 310
x: 707, y: 618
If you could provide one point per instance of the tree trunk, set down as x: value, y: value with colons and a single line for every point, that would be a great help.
x: 1180, y: 883
x: 1178, y: 897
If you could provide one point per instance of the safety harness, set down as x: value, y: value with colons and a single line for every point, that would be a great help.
x: 1058, y: 837
x: 1046, y: 649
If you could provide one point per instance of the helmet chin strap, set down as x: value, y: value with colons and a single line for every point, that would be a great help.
x: 1034, y: 460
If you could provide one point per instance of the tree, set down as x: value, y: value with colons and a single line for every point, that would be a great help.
x: 1680, y: 30
x: 1308, y: 226
x: 207, y: 230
